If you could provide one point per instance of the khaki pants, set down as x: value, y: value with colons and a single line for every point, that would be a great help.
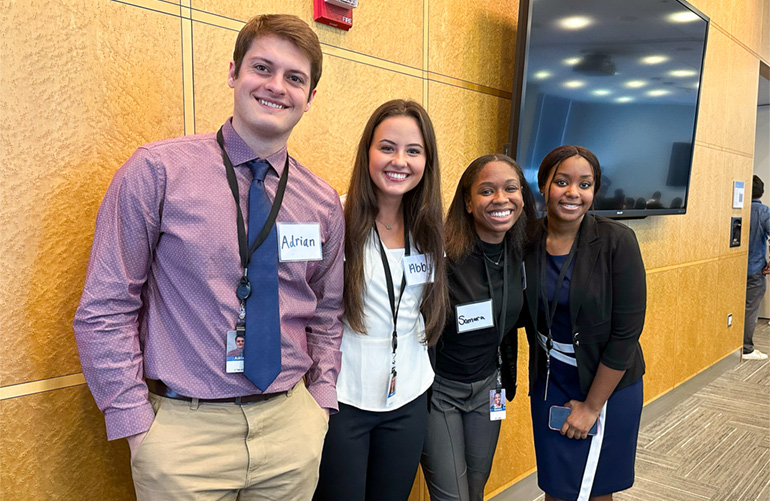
x: 266, y: 450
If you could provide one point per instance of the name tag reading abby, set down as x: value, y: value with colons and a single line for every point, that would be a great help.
x: 474, y: 316
x: 299, y: 241
x: 417, y: 269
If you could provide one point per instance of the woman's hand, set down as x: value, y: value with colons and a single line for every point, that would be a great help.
x: 580, y: 420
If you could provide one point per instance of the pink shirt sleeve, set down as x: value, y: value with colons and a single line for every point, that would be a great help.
x: 107, y: 319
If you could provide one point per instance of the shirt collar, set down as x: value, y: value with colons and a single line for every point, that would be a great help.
x: 240, y: 153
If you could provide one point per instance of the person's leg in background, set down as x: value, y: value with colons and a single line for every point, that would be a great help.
x: 755, y: 290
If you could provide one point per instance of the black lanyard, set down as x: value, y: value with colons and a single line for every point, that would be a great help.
x: 550, y: 307
x: 244, y: 287
x: 503, y: 309
x: 394, y: 307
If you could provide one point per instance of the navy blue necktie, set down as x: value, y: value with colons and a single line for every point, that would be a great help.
x: 262, y: 351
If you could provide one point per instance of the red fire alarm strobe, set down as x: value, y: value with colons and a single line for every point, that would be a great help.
x: 334, y: 15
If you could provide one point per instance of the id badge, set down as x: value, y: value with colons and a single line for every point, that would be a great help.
x: 497, y: 404
x: 299, y: 242
x: 234, y: 354
x: 391, y: 389
x: 474, y: 316
x: 418, y: 269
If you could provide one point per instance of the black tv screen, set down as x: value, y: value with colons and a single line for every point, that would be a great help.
x: 620, y: 77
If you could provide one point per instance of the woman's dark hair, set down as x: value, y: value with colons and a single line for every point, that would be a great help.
x: 422, y: 213
x: 553, y: 159
x: 459, y: 227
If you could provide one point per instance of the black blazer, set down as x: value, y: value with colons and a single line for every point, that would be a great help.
x: 607, y: 301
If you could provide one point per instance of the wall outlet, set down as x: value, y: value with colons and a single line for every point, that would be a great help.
x: 729, y: 319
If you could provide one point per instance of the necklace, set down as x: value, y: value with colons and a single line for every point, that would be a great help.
x: 387, y: 226
x: 499, y: 258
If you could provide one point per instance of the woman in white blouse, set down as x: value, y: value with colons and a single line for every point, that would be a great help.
x: 395, y: 306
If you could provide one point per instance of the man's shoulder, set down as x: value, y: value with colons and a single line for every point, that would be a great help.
x: 320, y: 191
x: 190, y: 143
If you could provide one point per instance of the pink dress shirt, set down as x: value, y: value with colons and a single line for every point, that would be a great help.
x: 160, y: 286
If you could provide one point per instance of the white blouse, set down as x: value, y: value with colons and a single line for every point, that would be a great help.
x: 366, y: 358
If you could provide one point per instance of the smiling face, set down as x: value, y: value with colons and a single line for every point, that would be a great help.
x: 495, y: 201
x: 239, y: 342
x: 396, y: 157
x: 569, y: 190
x: 271, y: 91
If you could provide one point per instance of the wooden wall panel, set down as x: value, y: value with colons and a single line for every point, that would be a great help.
x: 53, y: 446
x: 699, y: 224
x: 696, y: 303
x: 712, y: 127
x: 734, y: 168
x: 473, y: 41
x: 661, y: 330
x: 391, y: 31
x: 658, y: 240
x: 468, y: 124
x: 69, y: 119
x: 731, y: 300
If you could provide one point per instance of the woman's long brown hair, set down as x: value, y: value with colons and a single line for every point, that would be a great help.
x: 422, y: 213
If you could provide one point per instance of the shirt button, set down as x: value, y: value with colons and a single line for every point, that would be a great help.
x: 577, y: 343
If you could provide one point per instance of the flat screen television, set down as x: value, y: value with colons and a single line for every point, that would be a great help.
x: 620, y: 77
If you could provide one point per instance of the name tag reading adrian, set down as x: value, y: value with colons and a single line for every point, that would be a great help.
x: 474, y: 316
x: 417, y: 269
x: 299, y: 241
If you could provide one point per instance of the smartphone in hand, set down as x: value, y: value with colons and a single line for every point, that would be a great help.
x: 558, y: 414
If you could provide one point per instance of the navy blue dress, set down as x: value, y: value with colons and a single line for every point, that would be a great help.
x: 568, y: 468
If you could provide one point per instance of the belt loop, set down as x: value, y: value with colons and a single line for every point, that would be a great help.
x: 194, y: 404
x: 238, y: 400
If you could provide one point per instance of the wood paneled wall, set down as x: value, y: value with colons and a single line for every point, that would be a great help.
x: 84, y: 82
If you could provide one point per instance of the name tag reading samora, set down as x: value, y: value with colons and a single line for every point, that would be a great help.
x: 299, y: 241
x: 474, y: 316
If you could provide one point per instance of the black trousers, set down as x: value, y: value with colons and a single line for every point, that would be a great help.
x: 372, y: 456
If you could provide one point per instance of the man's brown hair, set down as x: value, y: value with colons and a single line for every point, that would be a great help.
x: 284, y: 26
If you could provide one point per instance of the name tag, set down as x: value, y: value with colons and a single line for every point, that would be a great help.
x: 418, y: 269
x: 474, y: 316
x: 299, y: 242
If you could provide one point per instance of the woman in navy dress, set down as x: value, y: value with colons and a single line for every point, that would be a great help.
x: 587, y: 300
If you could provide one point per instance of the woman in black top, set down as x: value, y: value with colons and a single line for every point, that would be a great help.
x: 485, y: 230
